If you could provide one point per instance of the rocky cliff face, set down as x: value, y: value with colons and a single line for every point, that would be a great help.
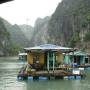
x: 27, y: 31
x: 25, y: 35
x: 40, y: 35
x: 12, y: 38
x: 4, y: 38
x: 17, y: 35
x: 69, y: 24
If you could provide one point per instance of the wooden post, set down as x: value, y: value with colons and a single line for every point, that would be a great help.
x: 73, y: 58
x: 48, y: 61
x: 53, y: 61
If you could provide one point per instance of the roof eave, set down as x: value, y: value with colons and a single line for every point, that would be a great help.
x: 4, y: 1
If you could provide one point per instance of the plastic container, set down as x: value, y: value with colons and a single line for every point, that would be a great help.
x: 76, y: 71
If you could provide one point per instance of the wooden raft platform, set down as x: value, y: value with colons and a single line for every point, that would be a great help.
x: 57, y: 74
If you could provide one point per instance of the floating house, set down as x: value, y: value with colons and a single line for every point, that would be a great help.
x: 22, y: 56
x: 78, y: 57
x: 46, y: 61
x: 46, y: 56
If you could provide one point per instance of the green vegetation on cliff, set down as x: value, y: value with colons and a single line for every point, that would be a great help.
x: 68, y: 26
x: 70, y: 23
x: 12, y: 39
x: 4, y: 38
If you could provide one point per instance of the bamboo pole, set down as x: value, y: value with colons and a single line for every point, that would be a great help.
x: 48, y: 61
x: 53, y: 62
x: 73, y: 58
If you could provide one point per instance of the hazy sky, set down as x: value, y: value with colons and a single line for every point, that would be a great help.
x: 27, y: 11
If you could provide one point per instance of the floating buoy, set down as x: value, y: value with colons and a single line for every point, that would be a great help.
x: 78, y: 77
x: 30, y: 78
x: 43, y: 78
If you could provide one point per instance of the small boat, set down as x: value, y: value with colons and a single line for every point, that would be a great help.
x: 22, y: 56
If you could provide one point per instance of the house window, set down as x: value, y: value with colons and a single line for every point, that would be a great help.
x: 35, y: 59
x: 86, y: 60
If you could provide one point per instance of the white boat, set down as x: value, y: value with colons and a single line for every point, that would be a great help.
x: 22, y: 56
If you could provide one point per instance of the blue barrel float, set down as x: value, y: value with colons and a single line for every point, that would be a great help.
x: 43, y: 78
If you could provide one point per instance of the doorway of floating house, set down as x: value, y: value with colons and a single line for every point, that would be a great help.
x: 50, y: 60
x: 77, y: 59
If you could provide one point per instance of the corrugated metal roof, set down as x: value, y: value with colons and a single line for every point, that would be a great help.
x: 79, y: 53
x: 48, y: 47
x: 22, y: 54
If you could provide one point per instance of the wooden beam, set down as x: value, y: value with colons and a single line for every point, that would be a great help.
x: 53, y: 61
x: 48, y: 61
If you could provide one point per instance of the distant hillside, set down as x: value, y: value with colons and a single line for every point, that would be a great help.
x: 27, y: 30
x: 70, y: 24
x: 16, y: 34
x: 4, y: 39
x: 12, y: 38
x: 40, y: 35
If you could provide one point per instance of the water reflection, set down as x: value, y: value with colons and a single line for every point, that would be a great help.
x: 8, y: 81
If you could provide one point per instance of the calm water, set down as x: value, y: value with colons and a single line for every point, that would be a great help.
x: 9, y: 68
